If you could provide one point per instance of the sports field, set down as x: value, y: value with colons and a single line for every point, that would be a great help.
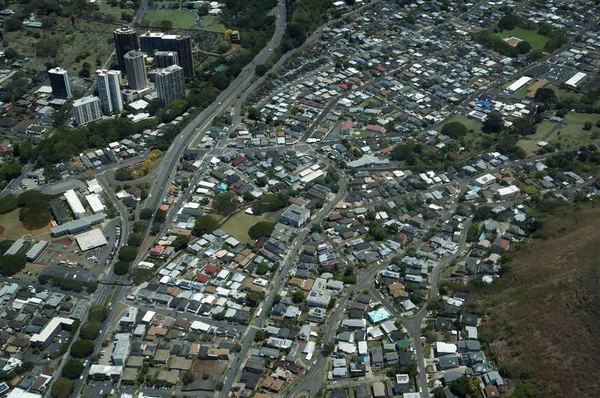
x: 181, y: 19
x: 536, y: 40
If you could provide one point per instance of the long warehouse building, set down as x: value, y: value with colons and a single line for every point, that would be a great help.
x: 75, y: 203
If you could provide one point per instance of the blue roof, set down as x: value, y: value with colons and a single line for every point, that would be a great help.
x: 378, y: 315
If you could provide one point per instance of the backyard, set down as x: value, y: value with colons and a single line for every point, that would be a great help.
x: 536, y: 40
x: 238, y: 226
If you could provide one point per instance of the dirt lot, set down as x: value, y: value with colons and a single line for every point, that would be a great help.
x: 209, y: 367
x: 543, y: 315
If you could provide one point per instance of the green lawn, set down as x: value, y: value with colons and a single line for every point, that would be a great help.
x: 106, y: 8
x: 536, y: 40
x: 570, y: 132
x: 212, y: 23
x: 181, y: 19
x: 470, y: 124
x: 238, y: 226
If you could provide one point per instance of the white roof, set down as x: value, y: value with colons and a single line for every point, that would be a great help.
x: 95, y: 203
x: 50, y: 328
x: 74, y: 202
x: 148, y: 316
x: 91, y: 239
x: 18, y: 393
x: 445, y: 348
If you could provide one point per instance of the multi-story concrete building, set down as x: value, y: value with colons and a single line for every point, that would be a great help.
x: 125, y: 40
x: 135, y: 68
x: 109, y: 90
x: 59, y: 81
x: 162, y: 59
x: 182, y: 45
x: 86, y: 110
x: 170, y: 83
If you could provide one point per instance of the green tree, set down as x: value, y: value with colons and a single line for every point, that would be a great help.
x: 13, y: 24
x: 204, y: 225
x: 145, y: 214
x: 225, y: 203
x: 123, y: 175
x: 12, y: 264
x: 121, y: 267
x: 493, y: 122
x: 181, y: 242
x: 454, y: 130
x: 139, y: 226
x: 82, y: 349
x: 28, y: 197
x: 260, y: 335
x: 523, y: 126
x: 128, y: 253
x: 62, y: 388
x: 160, y: 216
x: 91, y: 330
x: 188, y: 377
x: 588, y: 125
x: 262, y: 268
x: 298, y: 297
x: 8, y: 203
x: 545, y: 95
x: 135, y: 239
x: 261, y: 228
x: 72, y: 369
x: 525, y: 390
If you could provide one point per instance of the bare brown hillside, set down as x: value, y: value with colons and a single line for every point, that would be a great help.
x: 543, y: 320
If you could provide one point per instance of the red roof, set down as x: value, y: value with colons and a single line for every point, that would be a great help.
x: 238, y: 160
x: 211, y: 268
x: 347, y: 125
x: 374, y: 127
x: 343, y: 86
x: 202, y: 278
x: 157, y: 249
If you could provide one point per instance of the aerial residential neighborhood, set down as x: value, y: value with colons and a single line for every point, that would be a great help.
x: 359, y: 198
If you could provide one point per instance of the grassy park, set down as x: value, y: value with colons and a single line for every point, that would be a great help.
x: 211, y: 23
x: 181, y: 19
x: 536, y: 40
x: 238, y: 226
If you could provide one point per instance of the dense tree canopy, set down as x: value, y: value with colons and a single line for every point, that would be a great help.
x: 8, y: 204
x: 225, y: 203
x: 128, y: 253
x: 62, y: 388
x: 204, y: 225
x: 454, y: 130
x: 72, y: 369
x: 82, y: 349
x: 261, y: 228
x: 121, y: 267
x: 12, y: 264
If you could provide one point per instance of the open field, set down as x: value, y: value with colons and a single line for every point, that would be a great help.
x: 116, y: 11
x: 568, y: 133
x: 73, y: 45
x: 13, y: 229
x: 545, y: 309
x: 470, y: 124
x: 238, y: 226
x: 181, y: 19
x: 532, y: 37
x: 211, y: 23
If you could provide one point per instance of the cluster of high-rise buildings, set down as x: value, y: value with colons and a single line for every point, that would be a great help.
x: 172, y: 58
